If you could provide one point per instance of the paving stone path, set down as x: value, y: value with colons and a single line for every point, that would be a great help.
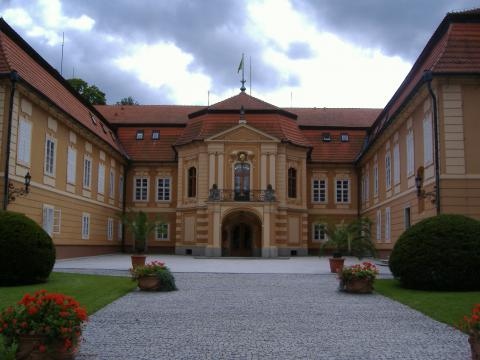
x: 258, y: 316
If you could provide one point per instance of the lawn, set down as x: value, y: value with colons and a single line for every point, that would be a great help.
x: 446, y: 307
x: 92, y: 291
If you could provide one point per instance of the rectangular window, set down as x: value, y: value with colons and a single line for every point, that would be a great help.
x: 410, y: 154
x: 388, y: 170
x: 396, y: 164
x: 111, y: 184
x: 342, y: 191
x: 50, y: 156
x: 71, y: 165
x: 406, y: 218
x: 141, y: 189
x: 85, y: 226
x: 319, y: 191
x: 155, y: 134
x: 24, y: 141
x: 120, y: 188
x: 161, y: 232
x: 387, y: 224
x: 120, y: 231
x: 367, y: 186
x: 110, y: 229
x: 326, y: 137
x: 87, y: 172
x: 139, y: 135
x: 344, y: 137
x: 379, y: 225
x: 101, y: 179
x: 163, y: 189
x: 427, y: 140
x: 47, y: 225
x: 319, y: 233
x: 375, y: 180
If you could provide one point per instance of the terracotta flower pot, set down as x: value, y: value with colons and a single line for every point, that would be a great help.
x: 475, y: 346
x: 149, y: 283
x: 336, y: 264
x: 28, y: 349
x: 359, y: 286
x: 138, y: 260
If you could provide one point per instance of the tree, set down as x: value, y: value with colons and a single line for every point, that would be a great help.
x: 128, y: 101
x: 91, y: 93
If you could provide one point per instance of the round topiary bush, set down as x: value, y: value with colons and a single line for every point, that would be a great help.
x: 439, y: 253
x: 27, y: 253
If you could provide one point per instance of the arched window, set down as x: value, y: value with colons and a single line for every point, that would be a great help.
x: 192, y: 182
x: 292, y: 183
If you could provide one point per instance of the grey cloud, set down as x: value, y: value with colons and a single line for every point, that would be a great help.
x: 400, y: 27
x: 299, y: 50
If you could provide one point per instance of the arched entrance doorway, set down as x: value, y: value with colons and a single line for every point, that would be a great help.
x: 241, y: 234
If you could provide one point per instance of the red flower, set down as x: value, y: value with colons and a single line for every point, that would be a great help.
x: 32, y: 310
x: 42, y: 348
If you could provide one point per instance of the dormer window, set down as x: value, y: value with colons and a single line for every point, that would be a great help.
x: 326, y: 137
x: 139, y: 135
x: 94, y: 120
x: 155, y: 134
x: 344, y: 137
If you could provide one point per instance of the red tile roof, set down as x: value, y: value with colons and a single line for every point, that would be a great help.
x: 16, y: 54
x: 147, y: 114
x: 335, y: 151
x: 335, y: 117
x: 148, y: 149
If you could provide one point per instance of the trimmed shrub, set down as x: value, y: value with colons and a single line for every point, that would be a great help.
x: 439, y: 253
x: 27, y: 253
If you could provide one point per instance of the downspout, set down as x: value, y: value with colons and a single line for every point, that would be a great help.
x: 428, y: 76
x: 13, y: 79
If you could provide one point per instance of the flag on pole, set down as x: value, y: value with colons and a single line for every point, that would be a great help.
x: 240, y: 66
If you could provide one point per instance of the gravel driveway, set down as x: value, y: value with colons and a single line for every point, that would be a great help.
x: 265, y: 316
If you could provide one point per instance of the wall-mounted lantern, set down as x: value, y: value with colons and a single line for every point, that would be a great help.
x: 421, y: 193
x: 13, y: 191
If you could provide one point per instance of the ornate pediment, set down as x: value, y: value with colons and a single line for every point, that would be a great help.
x: 242, y: 133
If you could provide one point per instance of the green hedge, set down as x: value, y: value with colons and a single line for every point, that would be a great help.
x: 27, y: 253
x: 439, y: 253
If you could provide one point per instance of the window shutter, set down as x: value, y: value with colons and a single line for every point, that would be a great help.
x: 396, y: 164
x: 427, y: 140
x: 56, y: 221
x: 71, y: 165
x: 101, y: 178
x: 24, y: 138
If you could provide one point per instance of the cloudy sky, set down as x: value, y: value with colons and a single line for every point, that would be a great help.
x: 333, y: 53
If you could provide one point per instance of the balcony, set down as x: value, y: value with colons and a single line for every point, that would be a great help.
x: 216, y: 194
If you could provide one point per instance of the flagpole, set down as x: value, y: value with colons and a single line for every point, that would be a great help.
x: 250, y: 82
x: 243, y: 88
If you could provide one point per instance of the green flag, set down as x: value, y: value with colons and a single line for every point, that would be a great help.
x: 240, y: 66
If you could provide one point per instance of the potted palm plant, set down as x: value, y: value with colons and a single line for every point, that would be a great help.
x: 353, y: 239
x: 140, y: 227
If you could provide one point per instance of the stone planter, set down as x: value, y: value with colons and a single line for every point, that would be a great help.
x: 336, y: 264
x: 138, y: 260
x: 28, y: 349
x: 149, y: 283
x: 475, y: 346
x: 359, y: 286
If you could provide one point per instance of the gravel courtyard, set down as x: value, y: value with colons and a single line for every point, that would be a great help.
x: 265, y: 316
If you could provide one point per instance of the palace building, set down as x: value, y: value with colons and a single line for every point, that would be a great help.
x: 241, y: 177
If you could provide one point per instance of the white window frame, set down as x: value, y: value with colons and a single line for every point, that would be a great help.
x: 24, y: 141
x: 375, y: 179
x: 47, y: 218
x: 120, y: 187
x: 164, y: 236
x: 396, y: 164
x: 85, y: 226
x: 379, y: 226
x: 87, y: 172
x: 167, y: 190
x: 410, y: 153
x: 388, y: 224
x: 110, y: 229
x: 111, y: 184
x: 49, y: 167
x: 71, y: 165
x: 388, y: 170
x: 101, y: 179
x: 405, y: 211
x: 318, y: 190
x: 319, y: 233
x: 141, y: 198
x: 427, y: 140
x: 342, y: 190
